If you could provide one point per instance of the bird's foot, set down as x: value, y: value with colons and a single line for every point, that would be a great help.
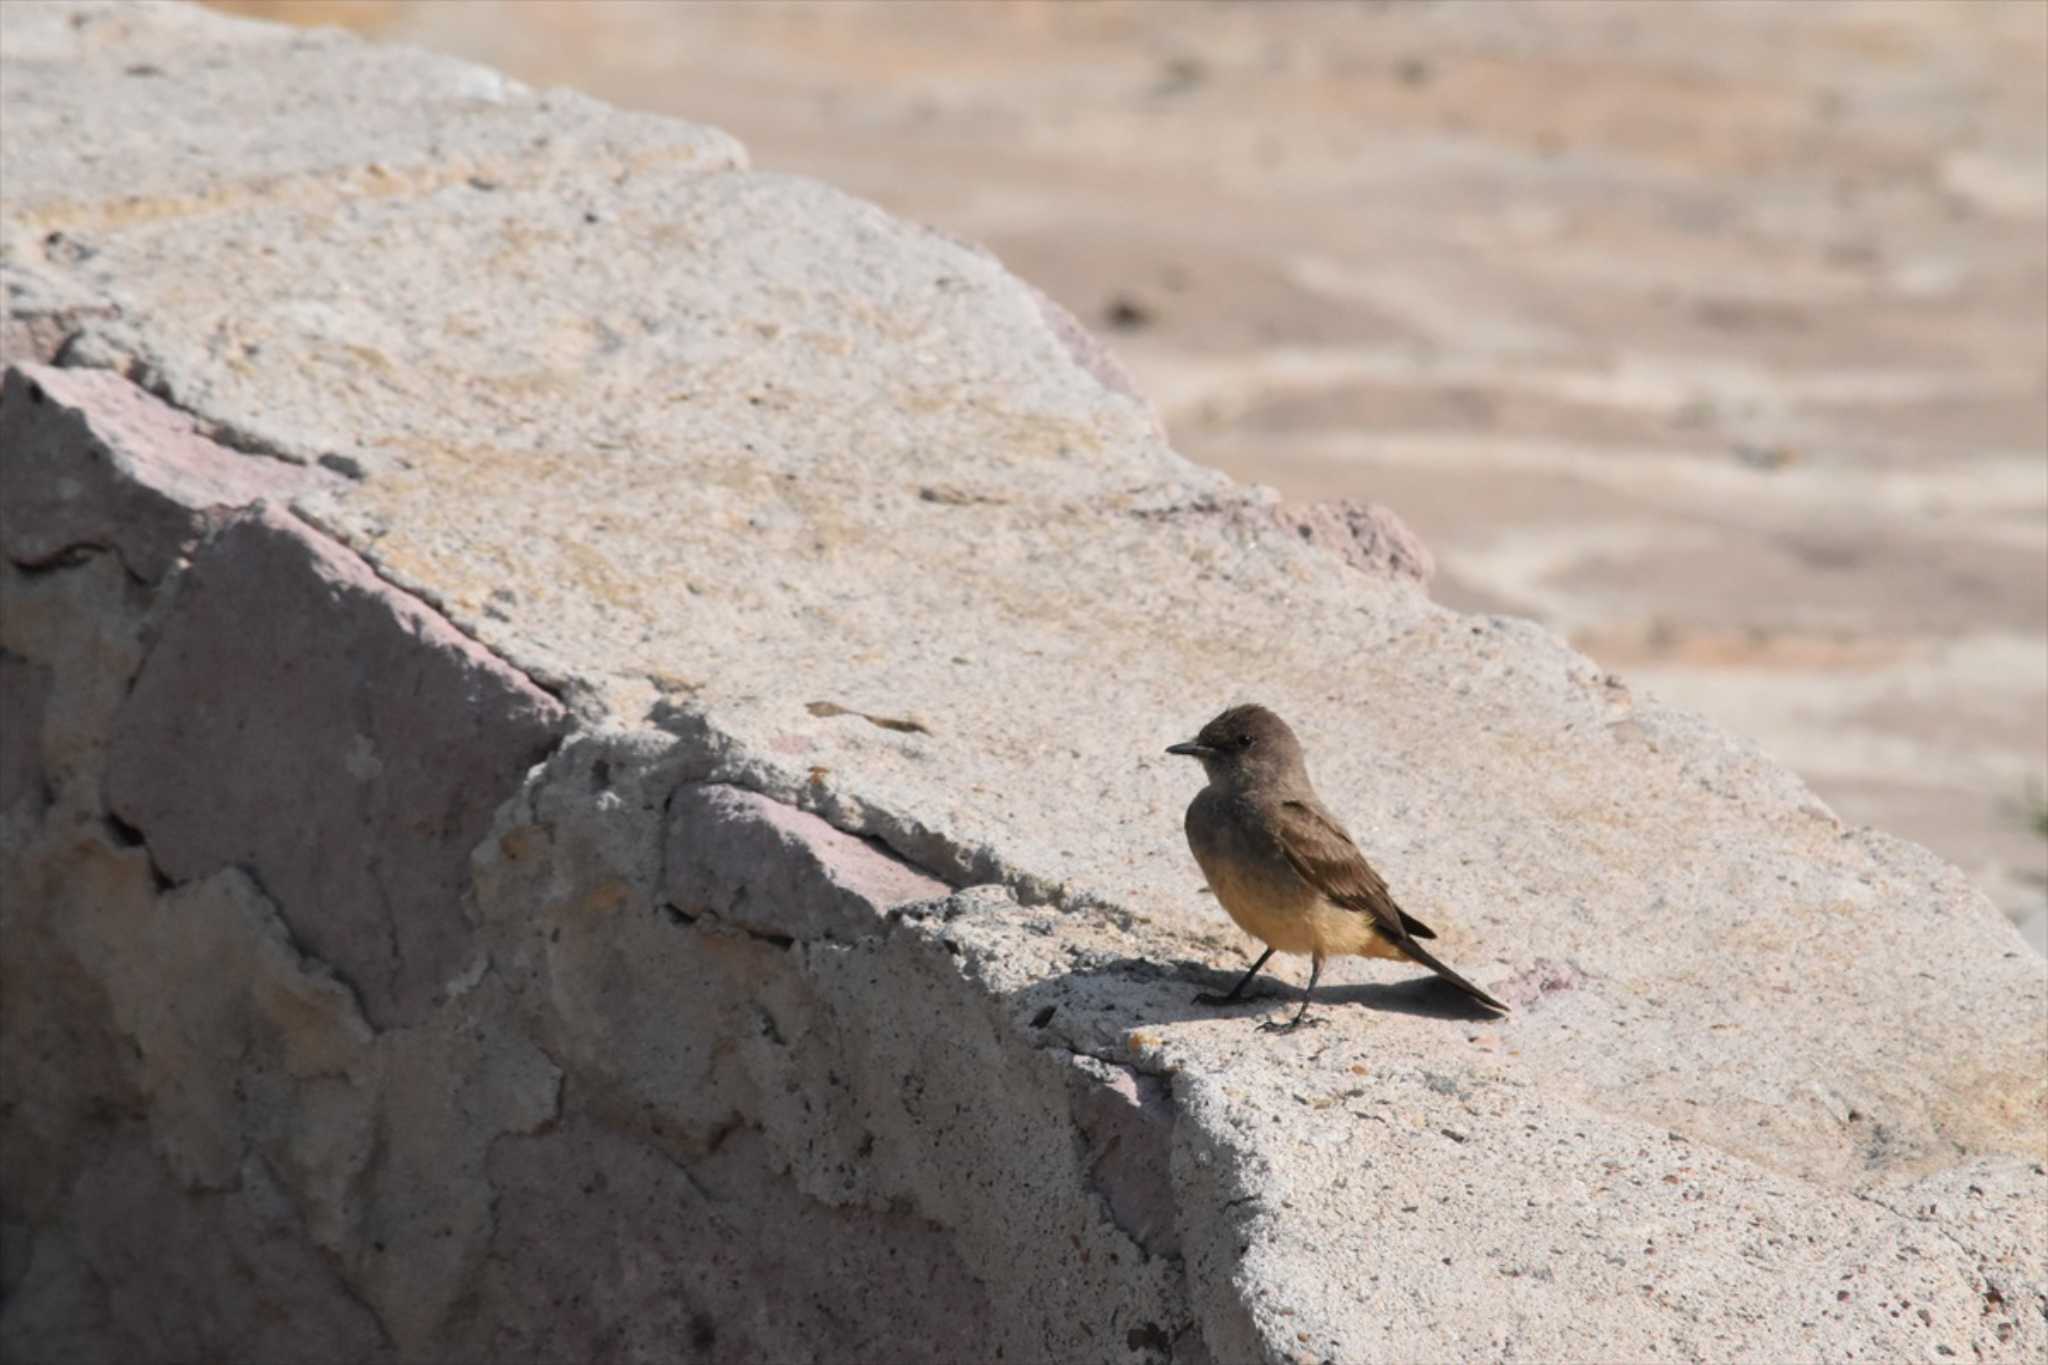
x: 1211, y: 998
x: 1298, y: 1021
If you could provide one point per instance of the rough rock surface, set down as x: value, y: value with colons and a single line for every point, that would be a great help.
x: 1707, y: 335
x: 384, y: 736
x: 597, y: 794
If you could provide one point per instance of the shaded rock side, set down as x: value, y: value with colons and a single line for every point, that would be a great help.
x: 646, y: 1001
x: 299, y: 718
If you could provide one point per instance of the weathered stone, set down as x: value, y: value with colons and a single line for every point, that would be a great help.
x: 278, y: 136
x: 229, y: 1276
x: 1367, y: 535
x: 25, y: 691
x: 352, y: 765
x: 821, y: 1049
x: 66, y: 1083
x: 863, y: 581
x: 735, y: 1232
x: 2002, y: 1201
x: 965, y: 1118
x: 125, y: 1033
x: 1088, y: 351
x: 771, y: 869
x: 82, y: 622
x: 422, y: 1228
x: 206, y: 987
x: 93, y: 461
x: 40, y: 312
x: 55, y: 1309
x: 30, y: 339
x: 1125, y: 1121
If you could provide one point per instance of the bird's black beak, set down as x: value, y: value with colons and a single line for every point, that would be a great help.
x: 1190, y: 749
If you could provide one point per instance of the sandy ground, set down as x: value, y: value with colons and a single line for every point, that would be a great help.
x: 1714, y: 336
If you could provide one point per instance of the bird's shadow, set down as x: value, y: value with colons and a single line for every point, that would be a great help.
x: 1130, y: 992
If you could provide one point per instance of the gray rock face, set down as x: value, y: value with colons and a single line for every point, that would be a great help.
x: 812, y: 981
x: 354, y: 760
x: 773, y: 870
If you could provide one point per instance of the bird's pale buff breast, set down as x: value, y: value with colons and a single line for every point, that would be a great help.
x: 1261, y: 891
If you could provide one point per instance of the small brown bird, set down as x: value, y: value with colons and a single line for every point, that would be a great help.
x: 1282, y: 865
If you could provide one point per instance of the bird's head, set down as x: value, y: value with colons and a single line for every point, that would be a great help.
x: 1244, y: 745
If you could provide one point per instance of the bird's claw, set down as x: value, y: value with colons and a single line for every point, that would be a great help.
x: 1211, y: 998
x: 1298, y: 1021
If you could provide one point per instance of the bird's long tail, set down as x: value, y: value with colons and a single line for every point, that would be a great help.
x: 1421, y: 954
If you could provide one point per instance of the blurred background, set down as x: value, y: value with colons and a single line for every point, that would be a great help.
x: 1714, y: 336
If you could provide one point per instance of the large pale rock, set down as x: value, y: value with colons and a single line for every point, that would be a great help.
x: 838, y: 911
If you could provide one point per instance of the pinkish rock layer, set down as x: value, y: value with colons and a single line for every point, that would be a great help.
x: 769, y: 868
x: 297, y: 716
x: 94, y: 461
x: 1367, y: 535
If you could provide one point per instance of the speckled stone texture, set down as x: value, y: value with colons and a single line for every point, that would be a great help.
x: 583, y: 781
x: 298, y: 718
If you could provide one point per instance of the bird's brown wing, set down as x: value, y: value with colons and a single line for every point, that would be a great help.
x: 1324, y: 855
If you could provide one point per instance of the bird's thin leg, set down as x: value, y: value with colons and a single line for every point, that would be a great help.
x: 1315, y: 970
x: 1206, y: 998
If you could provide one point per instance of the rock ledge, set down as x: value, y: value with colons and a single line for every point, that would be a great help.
x: 582, y: 781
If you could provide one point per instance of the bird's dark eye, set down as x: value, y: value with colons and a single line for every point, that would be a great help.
x: 1244, y: 741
